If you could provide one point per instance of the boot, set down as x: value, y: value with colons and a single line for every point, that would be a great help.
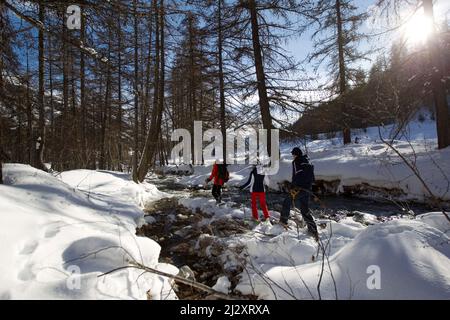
x: 283, y: 224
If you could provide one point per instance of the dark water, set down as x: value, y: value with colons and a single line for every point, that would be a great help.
x: 180, y: 235
x: 334, y: 203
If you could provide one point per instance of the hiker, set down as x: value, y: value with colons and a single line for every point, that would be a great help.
x: 302, y: 179
x: 220, y: 175
x: 256, y: 183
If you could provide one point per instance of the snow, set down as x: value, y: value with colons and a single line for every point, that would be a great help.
x: 436, y: 220
x: 51, y: 227
x: 61, y: 232
x: 222, y: 285
x: 369, y: 162
x: 412, y: 256
x: 113, y: 184
x: 209, y: 206
x: 413, y: 259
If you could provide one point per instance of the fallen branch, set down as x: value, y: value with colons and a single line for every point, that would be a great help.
x: 194, y: 284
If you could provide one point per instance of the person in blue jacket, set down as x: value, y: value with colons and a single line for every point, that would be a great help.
x: 302, y: 180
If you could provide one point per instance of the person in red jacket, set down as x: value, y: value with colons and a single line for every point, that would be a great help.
x: 219, y: 175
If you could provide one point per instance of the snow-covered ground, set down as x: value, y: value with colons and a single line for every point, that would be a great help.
x: 58, y: 234
x: 405, y: 258
x: 368, y: 162
x: 399, y: 259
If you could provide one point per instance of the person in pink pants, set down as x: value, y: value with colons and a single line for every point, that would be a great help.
x: 256, y: 183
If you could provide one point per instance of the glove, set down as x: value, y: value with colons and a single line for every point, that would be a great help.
x: 207, y: 180
x: 288, y: 185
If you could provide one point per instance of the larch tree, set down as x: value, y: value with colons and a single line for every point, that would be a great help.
x: 335, y: 41
x: 436, y: 53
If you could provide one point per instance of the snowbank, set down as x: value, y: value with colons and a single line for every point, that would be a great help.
x: 114, y: 184
x: 411, y: 257
x: 60, y: 233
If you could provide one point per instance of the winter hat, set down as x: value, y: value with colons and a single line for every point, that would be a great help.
x: 296, y: 152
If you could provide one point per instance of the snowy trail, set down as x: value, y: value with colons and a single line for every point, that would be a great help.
x: 223, y: 251
x: 51, y: 226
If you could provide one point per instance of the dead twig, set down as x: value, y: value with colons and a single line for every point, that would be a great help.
x: 416, y: 172
x: 194, y: 284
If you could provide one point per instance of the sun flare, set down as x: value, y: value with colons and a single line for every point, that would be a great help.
x: 418, y: 29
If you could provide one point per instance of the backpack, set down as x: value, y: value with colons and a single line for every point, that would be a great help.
x: 227, y: 176
x: 305, y: 177
x: 223, y: 173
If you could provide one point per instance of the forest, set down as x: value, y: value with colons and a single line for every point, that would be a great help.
x: 108, y: 94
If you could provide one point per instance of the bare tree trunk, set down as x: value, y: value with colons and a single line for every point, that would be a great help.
x: 192, y: 103
x: 64, y: 125
x: 342, y: 78
x: 83, y: 93
x: 136, y: 96
x: 52, y: 106
x: 29, y: 115
x: 163, y: 66
x: 2, y: 27
x: 119, y: 116
x: 3, y: 157
x: 75, y: 156
x: 437, y: 81
x: 146, y: 96
x: 151, y: 142
x: 106, y: 107
x: 94, y: 144
x: 39, y: 147
x: 157, y: 57
x: 192, y: 75
x: 19, y: 154
x: 260, y: 76
x: 221, y: 82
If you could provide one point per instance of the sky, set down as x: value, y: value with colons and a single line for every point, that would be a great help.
x: 301, y: 46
